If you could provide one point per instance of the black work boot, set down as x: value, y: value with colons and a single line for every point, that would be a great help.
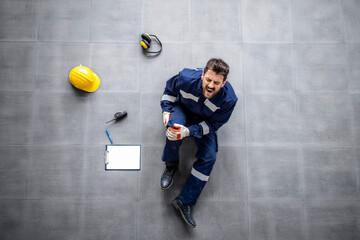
x: 185, y: 211
x: 167, y: 176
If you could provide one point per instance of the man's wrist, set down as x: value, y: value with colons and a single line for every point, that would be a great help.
x: 191, y: 130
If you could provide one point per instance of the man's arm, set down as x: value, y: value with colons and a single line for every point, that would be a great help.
x: 170, y: 94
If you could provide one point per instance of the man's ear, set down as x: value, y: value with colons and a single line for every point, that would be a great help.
x: 223, y: 84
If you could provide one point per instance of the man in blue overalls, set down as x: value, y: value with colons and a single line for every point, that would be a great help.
x: 196, y: 102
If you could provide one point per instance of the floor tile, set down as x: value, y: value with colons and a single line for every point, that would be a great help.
x: 324, y: 119
x: 109, y: 219
x: 209, y: 23
x: 59, y: 118
x: 320, y: 68
x: 14, y: 157
x: 169, y: 21
x: 318, y: 21
x: 57, y: 218
x: 56, y: 172
x: 16, y: 117
x: 330, y: 173
x: 13, y: 171
x: 332, y: 220
x: 274, y: 173
x: 268, y: 68
x: 271, y: 119
x: 18, y: 20
x: 13, y: 184
x: 276, y: 220
x: 267, y: 21
x: 13, y: 219
x: 64, y: 20
x: 115, y: 21
x: 350, y: 10
x: 18, y: 66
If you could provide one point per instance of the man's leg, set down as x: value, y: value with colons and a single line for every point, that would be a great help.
x: 206, y: 155
x: 171, y: 150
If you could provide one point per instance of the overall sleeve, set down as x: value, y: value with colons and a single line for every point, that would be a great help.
x: 170, y: 94
x: 212, y: 124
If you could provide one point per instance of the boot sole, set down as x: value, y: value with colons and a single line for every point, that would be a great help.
x: 182, y: 215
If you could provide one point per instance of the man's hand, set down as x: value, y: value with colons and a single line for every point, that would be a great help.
x: 166, y: 118
x: 178, y: 132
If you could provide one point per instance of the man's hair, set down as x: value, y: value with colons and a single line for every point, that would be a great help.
x: 219, y: 66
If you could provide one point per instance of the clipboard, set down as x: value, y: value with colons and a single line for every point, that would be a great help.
x: 122, y: 157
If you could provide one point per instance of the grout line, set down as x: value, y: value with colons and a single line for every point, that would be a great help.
x: 139, y: 127
x: 302, y: 188
x: 190, y: 21
x: 137, y: 174
x: 38, y: 21
x: 299, y: 143
x: 84, y: 144
x: 174, y: 42
x: 240, y: 32
x: 252, y: 145
x: 90, y: 21
x: 342, y: 22
x: 347, y: 68
x: 191, y: 42
x: 356, y: 153
x: 244, y: 119
x: 31, y: 133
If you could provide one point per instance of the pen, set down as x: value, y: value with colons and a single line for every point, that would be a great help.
x: 107, y: 132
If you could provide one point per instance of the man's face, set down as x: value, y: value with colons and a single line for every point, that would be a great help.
x: 211, y: 83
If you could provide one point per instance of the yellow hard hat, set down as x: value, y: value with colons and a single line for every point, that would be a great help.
x: 84, y: 78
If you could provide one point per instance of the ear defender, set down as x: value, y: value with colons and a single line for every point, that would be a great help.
x: 146, y: 41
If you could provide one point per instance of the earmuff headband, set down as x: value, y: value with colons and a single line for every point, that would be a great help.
x: 146, y: 40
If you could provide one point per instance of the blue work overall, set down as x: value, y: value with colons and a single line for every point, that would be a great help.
x: 183, y: 98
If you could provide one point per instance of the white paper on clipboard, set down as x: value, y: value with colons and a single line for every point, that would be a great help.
x: 122, y: 157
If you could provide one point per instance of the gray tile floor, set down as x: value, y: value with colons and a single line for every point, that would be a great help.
x: 289, y: 158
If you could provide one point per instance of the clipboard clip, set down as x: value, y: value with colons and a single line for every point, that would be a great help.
x: 106, y: 157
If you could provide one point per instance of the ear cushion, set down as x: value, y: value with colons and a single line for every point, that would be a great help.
x: 146, y: 37
x: 145, y: 44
